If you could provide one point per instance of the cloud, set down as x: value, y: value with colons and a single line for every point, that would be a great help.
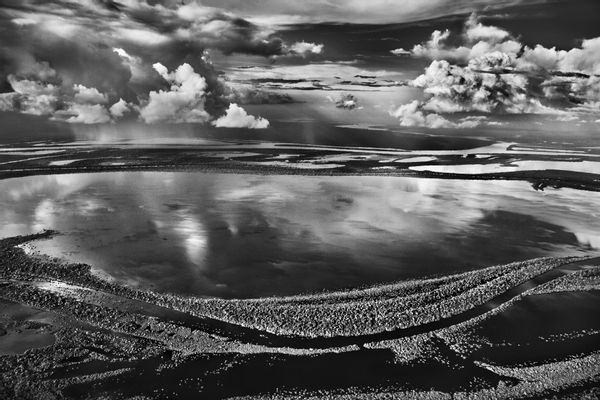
x: 305, y: 49
x: 62, y: 53
x: 85, y: 114
x: 413, y: 115
x: 23, y: 21
x: 119, y: 109
x: 285, y: 12
x: 146, y: 24
x: 30, y: 96
x: 251, y: 95
x: 476, y: 31
x: 491, y: 72
x: 184, y: 95
x: 86, y: 106
x: 410, y: 115
x: 345, y: 100
x: 85, y: 95
x: 464, y: 89
x: 237, y: 117
x: 183, y: 102
x: 140, y: 71
x: 474, y: 121
x: 38, y: 90
x: 111, y: 48
x: 400, y: 52
x: 585, y: 59
x: 479, y: 40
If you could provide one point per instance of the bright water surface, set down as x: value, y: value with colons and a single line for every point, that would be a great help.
x: 250, y: 236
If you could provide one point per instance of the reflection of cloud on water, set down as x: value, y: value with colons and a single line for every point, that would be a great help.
x: 591, y: 167
x: 194, y: 237
x: 226, y: 234
x: 43, y: 216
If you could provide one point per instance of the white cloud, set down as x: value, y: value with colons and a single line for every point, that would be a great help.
x: 85, y: 95
x: 411, y: 115
x: 194, y: 12
x: 119, y: 109
x: 476, y: 31
x: 436, y: 48
x: 453, y: 89
x: 492, y: 72
x: 474, y: 121
x: 237, y: 117
x: 480, y: 40
x: 23, y: 21
x: 183, y: 102
x: 304, y: 48
x: 87, y: 114
x: 31, y: 96
x: 141, y: 36
x: 400, y: 52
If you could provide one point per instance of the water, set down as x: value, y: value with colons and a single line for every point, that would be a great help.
x: 541, y: 328
x: 250, y: 236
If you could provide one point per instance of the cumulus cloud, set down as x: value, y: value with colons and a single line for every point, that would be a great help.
x: 585, y: 59
x: 237, y: 117
x: 183, y: 102
x: 304, y: 49
x: 30, y: 96
x: 463, y: 89
x: 86, y: 114
x: 479, y: 40
x: 55, y: 55
x: 183, y: 95
x: 39, y: 90
x: 119, y: 109
x: 85, y: 95
x: 111, y: 48
x: 35, y: 90
x: 492, y: 72
x: 411, y: 115
x: 86, y: 106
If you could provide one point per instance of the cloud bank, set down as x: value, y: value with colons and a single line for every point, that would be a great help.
x: 96, y: 62
x: 492, y: 72
x: 354, y: 11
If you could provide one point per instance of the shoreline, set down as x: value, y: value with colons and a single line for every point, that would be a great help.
x: 464, y: 294
x: 538, y: 179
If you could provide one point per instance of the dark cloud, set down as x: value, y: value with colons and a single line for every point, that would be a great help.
x: 53, y: 49
x: 258, y: 96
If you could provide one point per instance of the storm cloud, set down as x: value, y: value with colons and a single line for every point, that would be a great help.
x: 92, y: 61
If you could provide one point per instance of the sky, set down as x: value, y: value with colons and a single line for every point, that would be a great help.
x: 426, y: 65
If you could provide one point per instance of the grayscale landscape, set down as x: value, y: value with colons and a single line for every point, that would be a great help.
x: 269, y: 199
